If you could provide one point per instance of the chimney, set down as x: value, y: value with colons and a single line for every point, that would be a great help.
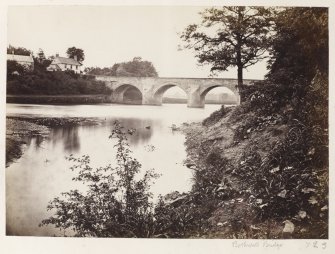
x: 57, y: 55
x: 75, y: 58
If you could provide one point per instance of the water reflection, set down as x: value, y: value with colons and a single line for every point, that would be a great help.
x: 144, y: 128
x: 42, y: 173
x: 68, y: 136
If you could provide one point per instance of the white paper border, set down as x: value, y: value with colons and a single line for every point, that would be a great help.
x: 46, y: 245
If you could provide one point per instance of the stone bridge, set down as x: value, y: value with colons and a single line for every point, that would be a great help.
x: 152, y: 89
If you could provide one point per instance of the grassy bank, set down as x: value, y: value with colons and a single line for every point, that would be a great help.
x: 58, y: 99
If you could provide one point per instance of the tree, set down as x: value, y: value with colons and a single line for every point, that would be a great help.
x: 40, y: 62
x: 136, y: 68
x: 73, y: 51
x: 301, y: 44
x: 230, y: 36
x: 18, y: 51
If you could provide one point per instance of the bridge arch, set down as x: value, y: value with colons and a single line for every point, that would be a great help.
x: 127, y: 93
x: 208, y: 89
x: 159, y: 92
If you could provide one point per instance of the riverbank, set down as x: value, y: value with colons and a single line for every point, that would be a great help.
x: 249, y: 181
x: 241, y: 187
x: 16, y: 131
x: 59, y: 99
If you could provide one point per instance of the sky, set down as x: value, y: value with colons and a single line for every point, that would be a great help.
x: 111, y: 34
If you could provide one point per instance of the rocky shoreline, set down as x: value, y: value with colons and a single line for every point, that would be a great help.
x: 16, y: 131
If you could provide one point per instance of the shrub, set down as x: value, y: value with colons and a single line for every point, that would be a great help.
x: 116, y: 203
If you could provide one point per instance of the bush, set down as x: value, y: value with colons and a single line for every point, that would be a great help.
x: 116, y: 204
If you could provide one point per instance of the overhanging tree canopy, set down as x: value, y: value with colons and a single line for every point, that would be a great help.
x: 230, y: 36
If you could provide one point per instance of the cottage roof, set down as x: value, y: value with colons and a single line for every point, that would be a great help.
x: 65, y: 60
x: 20, y: 58
x: 53, y: 67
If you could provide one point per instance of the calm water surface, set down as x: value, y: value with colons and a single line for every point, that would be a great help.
x: 42, y: 173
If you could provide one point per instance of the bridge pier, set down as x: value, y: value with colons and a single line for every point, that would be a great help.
x: 148, y: 99
x: 117, y: 97
x: 195, y: 100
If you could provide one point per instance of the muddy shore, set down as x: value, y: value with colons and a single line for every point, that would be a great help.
x: 17, y: 128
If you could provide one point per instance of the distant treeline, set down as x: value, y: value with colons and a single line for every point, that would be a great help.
x: 135, y: 68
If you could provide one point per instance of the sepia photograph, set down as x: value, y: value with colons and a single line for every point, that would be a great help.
x: 167, y: 121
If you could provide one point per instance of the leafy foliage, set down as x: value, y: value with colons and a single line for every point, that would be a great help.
x: 240, y: 38
x: 14, y: 69
x: 79, y: 53
x: 41, y: 62
x: 18, y: 51
x: 293, y: 178
x: 117, y: 202
x: 135, y: 68
x: 52, y: 83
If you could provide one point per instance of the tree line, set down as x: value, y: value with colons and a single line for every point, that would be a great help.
x: 135, y: 68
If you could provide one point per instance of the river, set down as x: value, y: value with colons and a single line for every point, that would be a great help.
x: 42, y: 173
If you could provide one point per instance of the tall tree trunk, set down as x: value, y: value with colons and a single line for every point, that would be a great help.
x: 239, y: 70
x: 240, y: 75
x: 239, y: 58
x: 240, y: 82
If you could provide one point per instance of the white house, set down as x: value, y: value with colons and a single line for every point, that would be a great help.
x: 64, y: 63
x: 26, y: 61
